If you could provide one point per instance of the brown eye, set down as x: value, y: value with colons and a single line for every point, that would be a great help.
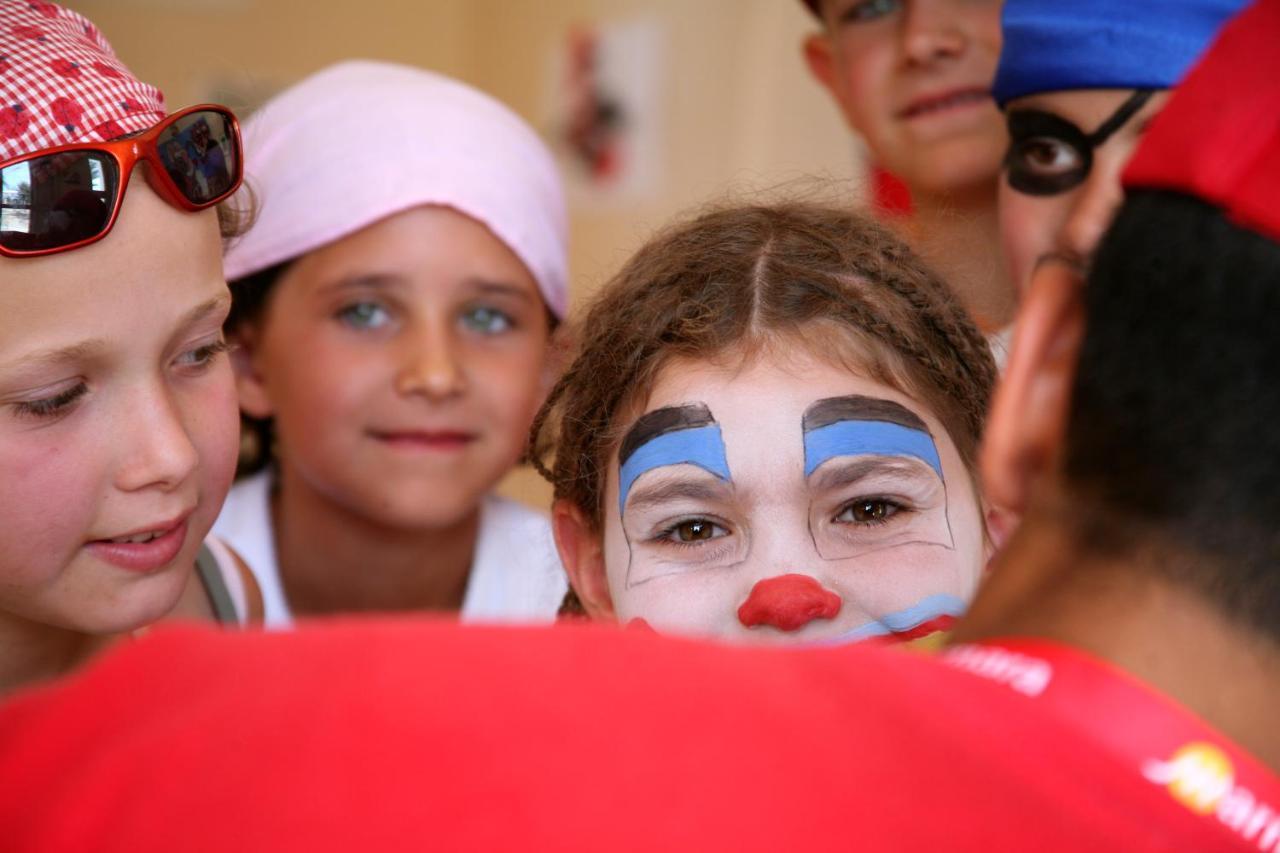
x: 695, y: 531
x: 1044, y: 155
x: 868, y: 511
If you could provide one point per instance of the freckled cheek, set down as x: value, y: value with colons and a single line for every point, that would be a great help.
x: 49, y: 491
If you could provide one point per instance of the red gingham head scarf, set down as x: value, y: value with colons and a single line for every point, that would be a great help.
x: 60, y: 82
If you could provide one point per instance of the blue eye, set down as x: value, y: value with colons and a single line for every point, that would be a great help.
x: 487, y: 321
x: 365, y: 315
x: 51, y: 407
x: 203, y: 356
x: 869, y: 10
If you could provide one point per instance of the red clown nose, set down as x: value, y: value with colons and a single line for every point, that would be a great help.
x: 788, y: 603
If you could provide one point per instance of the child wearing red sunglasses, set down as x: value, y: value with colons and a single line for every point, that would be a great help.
x: 117, y: 404
x: 396, y: 304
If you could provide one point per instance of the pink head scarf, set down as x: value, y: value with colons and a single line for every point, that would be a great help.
x: 60, y: 82
x: 359, y: 141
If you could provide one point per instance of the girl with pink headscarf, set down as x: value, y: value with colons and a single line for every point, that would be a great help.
x: 396, y: 302
x: 117, y: 401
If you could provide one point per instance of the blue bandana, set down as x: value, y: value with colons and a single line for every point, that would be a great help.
x: 1055, y: 45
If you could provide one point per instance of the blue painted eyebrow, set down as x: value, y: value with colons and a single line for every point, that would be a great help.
x: 868, y: 438
x: 865, y: 426
x: 677, y: 442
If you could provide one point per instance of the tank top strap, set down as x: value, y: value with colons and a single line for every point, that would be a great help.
x: 215, y: 586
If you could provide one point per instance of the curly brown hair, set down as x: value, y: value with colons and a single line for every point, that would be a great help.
x: 237, y: 214
x: 744, y: 277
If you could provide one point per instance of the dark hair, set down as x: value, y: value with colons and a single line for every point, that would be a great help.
x: 1173, y: 441
x: 744, y: 277
x: 249, y: 298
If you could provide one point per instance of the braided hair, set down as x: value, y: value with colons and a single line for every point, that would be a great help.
x: 746, y: 277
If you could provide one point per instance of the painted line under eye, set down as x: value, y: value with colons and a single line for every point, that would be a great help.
x: 938, y: 609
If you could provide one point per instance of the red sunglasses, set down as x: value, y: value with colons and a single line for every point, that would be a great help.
x: 63, y: 198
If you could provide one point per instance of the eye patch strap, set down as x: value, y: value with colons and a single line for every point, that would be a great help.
x: 1135, y: 102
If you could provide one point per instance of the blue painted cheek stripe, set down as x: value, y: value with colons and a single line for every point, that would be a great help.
x: 868, y: 438
x: 903, y: 620
x: 702, y: 446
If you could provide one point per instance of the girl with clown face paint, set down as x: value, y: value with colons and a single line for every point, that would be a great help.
x: 768, y: 435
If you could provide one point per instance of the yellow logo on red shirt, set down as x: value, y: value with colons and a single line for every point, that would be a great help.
x: 1201, y: 777
x: 1198, y: 775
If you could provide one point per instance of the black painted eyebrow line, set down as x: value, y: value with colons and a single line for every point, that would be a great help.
x: 661, y: 421
x: 855, y: 407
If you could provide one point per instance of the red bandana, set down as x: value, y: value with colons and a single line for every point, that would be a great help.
x: 60, y: 82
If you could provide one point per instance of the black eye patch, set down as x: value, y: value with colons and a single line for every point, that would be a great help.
x: 1031, y: 128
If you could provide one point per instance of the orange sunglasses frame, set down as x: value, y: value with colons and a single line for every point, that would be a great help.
x: 127, y: 152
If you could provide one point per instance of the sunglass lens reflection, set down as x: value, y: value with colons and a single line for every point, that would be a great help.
x: 199, y: 153
x: 56, y: 200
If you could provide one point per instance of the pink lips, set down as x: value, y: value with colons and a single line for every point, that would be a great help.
x: 426, y: 440
x: 144, y: 557
x: 940, y: 102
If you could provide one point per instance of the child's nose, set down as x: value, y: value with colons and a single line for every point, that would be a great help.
x: 157, y: 451
x: 788, y: 602
x: 432, y: 368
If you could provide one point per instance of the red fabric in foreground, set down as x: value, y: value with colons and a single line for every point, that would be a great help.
x: 420, y: 735
x: 889, y: 195
x: 1219, y: 136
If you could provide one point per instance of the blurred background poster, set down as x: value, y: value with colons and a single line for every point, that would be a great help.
x: 606, y: 101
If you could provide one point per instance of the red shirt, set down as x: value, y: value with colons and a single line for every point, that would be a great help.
x: 417, y: 735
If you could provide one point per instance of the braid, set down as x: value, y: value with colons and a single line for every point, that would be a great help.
x: 899, y: 269
x: 968, y: 378
x: 858, y: 312
x: 533, y: 451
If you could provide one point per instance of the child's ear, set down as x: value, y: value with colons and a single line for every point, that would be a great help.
x: 821, y: 61
x: 254, y: 400
x: 1000, y: 523
x: 1029, y: 414
x: 581, y: 550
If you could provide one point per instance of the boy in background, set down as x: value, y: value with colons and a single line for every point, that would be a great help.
x: 913, y: 79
